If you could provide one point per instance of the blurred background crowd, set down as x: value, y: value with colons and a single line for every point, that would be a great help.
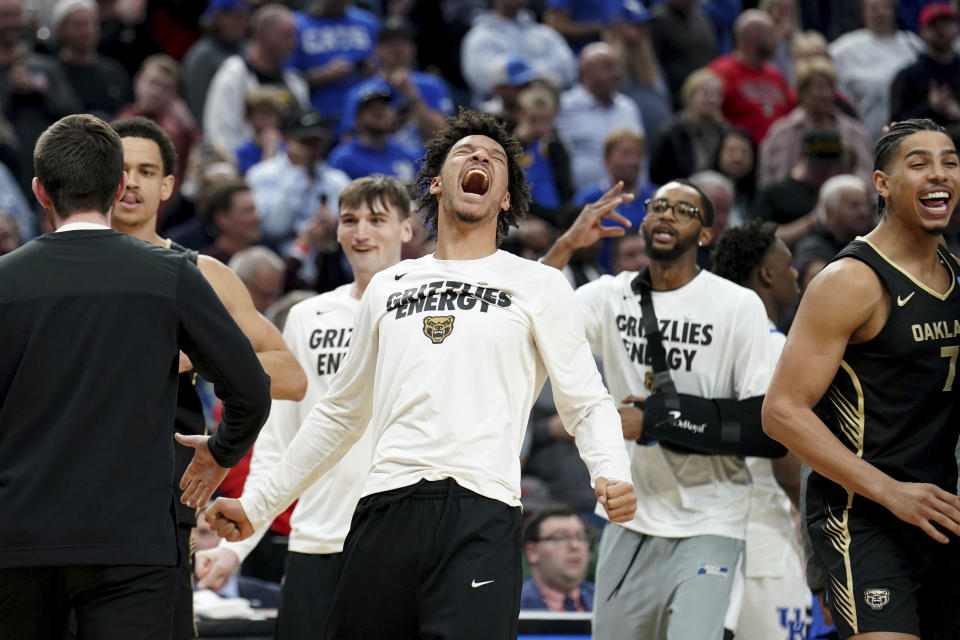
x: 771, y: 107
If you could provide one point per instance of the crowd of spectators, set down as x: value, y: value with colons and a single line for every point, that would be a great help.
x: 774, y: 106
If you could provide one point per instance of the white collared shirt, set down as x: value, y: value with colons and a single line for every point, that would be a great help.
x: 81, y: 226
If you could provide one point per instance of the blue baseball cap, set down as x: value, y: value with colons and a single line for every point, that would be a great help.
x: 515, y: 71
x: 631, y: 11
x: 219, y: 6
x: 377, y: 90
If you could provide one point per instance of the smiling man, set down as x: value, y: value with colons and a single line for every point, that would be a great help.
x: 447, y: 355
x: 374, y: 223
x: 874, y: 347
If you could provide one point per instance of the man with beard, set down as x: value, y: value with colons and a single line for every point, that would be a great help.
x: 687, y: 352
x: 873, y: 349
x: 447, y: 355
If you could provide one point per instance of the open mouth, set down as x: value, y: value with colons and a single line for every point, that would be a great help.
x: 475, y: 181
x: 935, y: 201
x: 663, y: 233
x: 130, y: 199
x: 362, y: 248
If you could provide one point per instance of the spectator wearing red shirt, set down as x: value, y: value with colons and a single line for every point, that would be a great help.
x: 754, y: 92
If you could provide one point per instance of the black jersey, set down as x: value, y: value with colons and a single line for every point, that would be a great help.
x: 893, y: 399
x: 189, y: 419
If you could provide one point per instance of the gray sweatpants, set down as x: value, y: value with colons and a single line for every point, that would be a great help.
x: 651, y: 588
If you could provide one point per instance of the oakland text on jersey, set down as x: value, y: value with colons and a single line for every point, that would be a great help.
x: 941, y: 330
x: 683, y: 332
x: 448, y: 295
x: 332, y: 345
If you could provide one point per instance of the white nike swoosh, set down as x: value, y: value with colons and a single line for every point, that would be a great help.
x: 903, y: 301
x: 476, y: 584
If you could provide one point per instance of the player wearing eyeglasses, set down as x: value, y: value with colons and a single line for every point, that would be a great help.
x: 670, y: 571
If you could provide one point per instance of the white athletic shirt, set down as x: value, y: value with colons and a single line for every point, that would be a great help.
x: 770, y: 530
x: 716, y: 343
x: 446, y: 359
x: 318, y: 332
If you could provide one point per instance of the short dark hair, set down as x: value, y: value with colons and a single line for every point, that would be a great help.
x: 140, y: 127
x: 742, y: 249
x: 474, y: 123
x: 706, y: 204
x: 889, y: 145
x: 79, y: 162
x: 221, y: 198
x: 531, y: 528
x: 374, y: 189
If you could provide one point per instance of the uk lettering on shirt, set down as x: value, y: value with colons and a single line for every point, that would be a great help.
x: 793, y: 622
x: 339, y: 38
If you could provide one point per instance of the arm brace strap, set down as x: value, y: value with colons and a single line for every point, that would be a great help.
x: 708, y: 426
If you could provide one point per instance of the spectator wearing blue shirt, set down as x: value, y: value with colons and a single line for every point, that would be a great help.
x: 545, y: 160
x: 579, y: 21
x: 334, y: 51
x: 371, y: 149
x: 421, y: 99
x: 623, y: 155
x: 15, y: 205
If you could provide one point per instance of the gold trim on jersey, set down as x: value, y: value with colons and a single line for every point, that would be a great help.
x: 851, y: 417
x: 946, y: 262
x: 838, y: 533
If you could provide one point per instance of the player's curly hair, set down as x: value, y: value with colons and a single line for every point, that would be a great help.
x: 741, y: 250
x: 472, y: 123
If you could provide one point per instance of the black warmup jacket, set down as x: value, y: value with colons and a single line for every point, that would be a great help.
x: 91, y: 322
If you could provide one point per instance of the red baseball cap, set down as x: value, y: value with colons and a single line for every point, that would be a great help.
x: 936, y: 11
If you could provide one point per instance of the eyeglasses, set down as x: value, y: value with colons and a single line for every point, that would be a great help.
x: 682, y: 211
x: 557, y: 538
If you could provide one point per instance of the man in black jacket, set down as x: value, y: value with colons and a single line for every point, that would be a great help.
x: 93, y: 322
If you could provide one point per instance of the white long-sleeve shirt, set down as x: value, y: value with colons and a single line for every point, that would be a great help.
x: 318, y: 332
x: 446, y: 359
x: 717, y: 346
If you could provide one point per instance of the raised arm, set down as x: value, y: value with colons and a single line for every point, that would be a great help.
x: 845, y: 303
x: 287, y: 380
x: 588, y: 227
